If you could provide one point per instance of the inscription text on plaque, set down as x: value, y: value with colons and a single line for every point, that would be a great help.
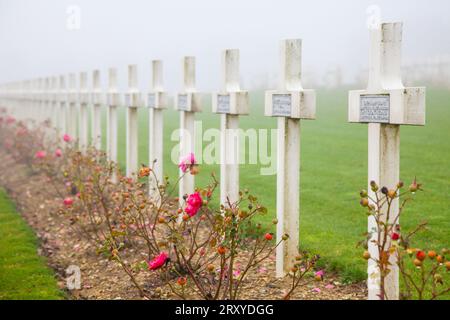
x: 182, y: 102
x: 374, y: 108
x: 223, y: 103
x: 151, y: 100
x: 282, y: 105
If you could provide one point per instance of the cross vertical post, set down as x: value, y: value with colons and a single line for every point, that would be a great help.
x: 113, y: 103
x: 72, y: 111
x: 384, y: 106
x: 54, y: 104
x: 187, y: 103
x: 156, y: 102
x: 62, y: 99
x: 230, y: 103
x: 46, y: 97
x: 97, y: 102
x: 39, y: 101
x: 132, y: 102
x: 290, y: 103
x: 83, y: 107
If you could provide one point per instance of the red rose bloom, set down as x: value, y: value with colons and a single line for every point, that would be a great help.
x: 194, y: 202
x: 395, y: 236
x: 158, y: 262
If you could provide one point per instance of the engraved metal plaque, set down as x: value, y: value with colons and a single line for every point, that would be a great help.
x: 282, y: 105
x: 182, y: 102
x: 151, y: 100
x: 374, y: 108
x: 223, y: 103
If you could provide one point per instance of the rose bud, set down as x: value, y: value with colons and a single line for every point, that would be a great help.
x: 373, y: 186
x: 210, y: 267
x: 414, y: 186
x: 395, y: 236
x: 447, y: 265
x: 366, y: 255
x: 432, y: 254
x: 268, y: 237
x: 363, y: 193
x: 182, y: 281
x: 364, y: 202
x: 421, y: 255
x: 392, y: 194
x: 440, y: 259
x: 285, y: 237
x: 294, y: 269
x: 221, y: 250
x: 161, y: 220
x: 400, y: 184
x: 384, y: 190
x: 417, y: 263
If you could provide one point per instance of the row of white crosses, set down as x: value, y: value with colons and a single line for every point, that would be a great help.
x: 385, y: 105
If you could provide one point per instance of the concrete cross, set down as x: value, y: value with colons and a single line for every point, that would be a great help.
x: 230, y: 103
x: 113, y: 102
x: 132, y: 102
x: 40, y: 100
x: 187, y: 103
x: 62, y: 104
x: 156, y: 102
x: 385, y: 105
x: 289, y: 104
x: 97, y: 102
x: 47, y: 103
x: 72, y: 111
x: 83, y: 99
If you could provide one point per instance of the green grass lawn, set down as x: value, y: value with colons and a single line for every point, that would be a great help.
x: 333, y: 170
x: 23, y: 273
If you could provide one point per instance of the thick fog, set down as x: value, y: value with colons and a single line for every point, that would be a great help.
x: 52, y: 37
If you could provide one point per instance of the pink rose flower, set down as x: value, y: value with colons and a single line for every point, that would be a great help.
x: 10, y: 120
x: 68, y: 201
x: 67, y: 138
x: 158, y: 261
x: 40, y: 154
x: 319, y: 273
x: 186, y: 162
x: 194, y: 202
x: 58, y: 153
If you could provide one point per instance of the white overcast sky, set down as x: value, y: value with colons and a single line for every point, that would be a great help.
x: 35, y: 40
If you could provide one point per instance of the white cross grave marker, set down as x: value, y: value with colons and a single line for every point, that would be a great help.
x: 83, y: 96
x: 132, y: 102
x: 113, y: 103
x: 47, y: 103
x: 40, y: 100
x: 54, y: 102
x: 187, y: 103
x: 230, y: 103
x: 156, y: 102
x: 62, y: 100
x: 97, y: 102
x: 385, y: 105
x: 290, y: 104
x: 72, y: 112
